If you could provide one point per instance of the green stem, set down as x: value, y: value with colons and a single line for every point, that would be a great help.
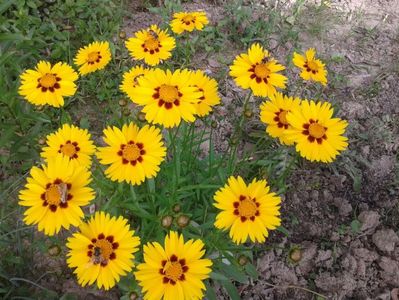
x: 237, y: 135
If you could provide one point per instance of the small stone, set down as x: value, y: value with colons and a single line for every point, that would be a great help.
x: 365, y: 254
x: 370, y: 220
x: 391, y: 270
x: 385, y: 240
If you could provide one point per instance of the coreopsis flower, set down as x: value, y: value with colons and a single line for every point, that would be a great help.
x: 129, y: 81
x: 318, y: 136
x: 72, y: 142
x: 208, y: 87
x: 258, y: 71
x: 274, y: 114
x: 312, y: 68
x: 48, y: 84
x: 175, y: 271
x: 167, y: 97
x: 55, y: 194
x: 93, y: 57
x: 133, y: 154
x: 152, y: 45
x: 102, y: 250
x: 188, y: 21
x: 247, y: 210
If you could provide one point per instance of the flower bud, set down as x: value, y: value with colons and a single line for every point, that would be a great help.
x: 54, y: 250
x: 214, y: 124
x: 133, y: 296
x: 141, y: 116
x: 126, y: 111
x: 295, y: 255
x: 167, y: 221
x: 248, y: 113
x: 176, y: 208
x: 41, y: 141
x: 122, y: 34
x: 242, y: 260
x: 122, y: 102
x: 183, y: 221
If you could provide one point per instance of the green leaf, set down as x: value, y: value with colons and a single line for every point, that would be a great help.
x: 210, y: 292
x: 283, y: 230
x: 231, y: 290
x: 218, y: 276
x: 355, y: 226
x: 251, y: 271
x: 235, y: 273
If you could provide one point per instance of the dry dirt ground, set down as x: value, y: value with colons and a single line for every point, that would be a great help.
x: 344, y: 218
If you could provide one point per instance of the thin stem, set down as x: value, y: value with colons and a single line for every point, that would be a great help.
x: 237, y: 135
x: 295, y: 287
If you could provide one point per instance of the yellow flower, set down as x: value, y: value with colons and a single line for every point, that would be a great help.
x: 130, y: 80
x: 152, y: 45
x: 258, y: 71
x: 93, y: 57
x: 48, y: 84
x: 102, y: 251
x: 312, y: 68
x: 174, y: 272
x: 167, y: 97
x: 249, y: 211
x: 274, y: 114
x: 208, y: 87
x: 317, y: 135
x: 72, y: 142
x: 188, y: 21
x: 55, y: 194
x: 133, y: 154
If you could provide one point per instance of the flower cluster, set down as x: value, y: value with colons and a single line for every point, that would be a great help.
x: 104, y: 246
x: 307, y: 124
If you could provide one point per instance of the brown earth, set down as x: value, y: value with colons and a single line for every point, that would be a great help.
x: 343, y: 217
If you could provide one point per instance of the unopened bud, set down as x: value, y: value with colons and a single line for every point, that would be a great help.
x: 126, y: 111
x: 39, y: 107
x: 214, y: 124
x: 183, y: 221
x: 242, y: 260
x: 54, y: 250
x: 41, y: 141
x: 167, y: 221
x: 122, y: 34
x: 176, y: 208
x: 141, y: 116
x: 248, y: 113
x: 295, y: 255
x: 133, y: 296
x: 122, y: 102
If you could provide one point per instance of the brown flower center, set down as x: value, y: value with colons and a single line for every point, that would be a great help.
x: 53, y: 195
x: 131, y: 152
x: 188, y: 19
x: 56, y: 195
x: 173, y: 270
x: 48, y: 80
x: 282, y: 116
x: 151, y: 44
x: 246, y: 208
x: 168, y: 93
x: 316, y: 130
x: 69, y: 149
x: 311, y: 66
x: 93, y: 56
x: 262, y: 71
x: 102, y: 249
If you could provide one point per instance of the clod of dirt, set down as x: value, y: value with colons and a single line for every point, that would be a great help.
x: 354, y: 110
x: 365, y: 254
x: 390, y: 269
x: 383, y: 166
x: 385, y: 240
x: 308, y: 254
x: 370, y: 220
x: 343, y: 205
x: 341, y: 285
